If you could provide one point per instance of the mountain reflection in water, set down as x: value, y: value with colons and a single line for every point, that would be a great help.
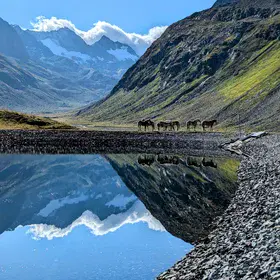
x: 102, y: 217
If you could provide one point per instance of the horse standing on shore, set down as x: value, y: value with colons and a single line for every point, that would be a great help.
x: 169, y: 126
x: 193, y: 124
x: 164, y: 126
x: 209, y: 124
x: 146, y: 124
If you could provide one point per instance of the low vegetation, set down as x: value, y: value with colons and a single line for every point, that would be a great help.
x: 14, y: 120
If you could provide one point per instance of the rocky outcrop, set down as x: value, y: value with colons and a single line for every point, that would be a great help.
x: 245, y: 242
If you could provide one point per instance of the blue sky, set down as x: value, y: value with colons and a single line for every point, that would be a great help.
x: 132, y: 16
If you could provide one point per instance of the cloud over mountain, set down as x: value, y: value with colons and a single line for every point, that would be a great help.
x: 137, y: 41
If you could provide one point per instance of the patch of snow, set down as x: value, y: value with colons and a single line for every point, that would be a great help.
x: 60, y: 51
x: 120, y: 201
x: 99, y: 196
x: 58, y: 203
x: 137, y: 213
x: 122, y: 54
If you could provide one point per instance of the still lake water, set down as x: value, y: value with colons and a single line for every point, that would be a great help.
x: 87, y: 217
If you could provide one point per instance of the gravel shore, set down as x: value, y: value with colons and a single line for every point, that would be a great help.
x: 245, y: 242
x: 100, y: 142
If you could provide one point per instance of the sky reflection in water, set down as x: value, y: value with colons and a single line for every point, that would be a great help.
x: 117, y: 238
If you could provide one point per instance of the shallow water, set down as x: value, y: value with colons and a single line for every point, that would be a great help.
x: 105, y: 217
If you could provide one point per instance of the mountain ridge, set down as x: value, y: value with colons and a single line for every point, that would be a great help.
x: 229, y: 55
x: 56, y: 71
x: 247, y: 3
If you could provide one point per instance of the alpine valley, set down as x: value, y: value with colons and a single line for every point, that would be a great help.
x: 51, y: 71
x: 222, y: 63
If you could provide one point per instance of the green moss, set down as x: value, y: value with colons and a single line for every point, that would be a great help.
x: 255, y: 77
x: 228, y: 167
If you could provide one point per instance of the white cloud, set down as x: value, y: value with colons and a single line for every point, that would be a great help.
x: 137, y: 41
x: 137, y: 213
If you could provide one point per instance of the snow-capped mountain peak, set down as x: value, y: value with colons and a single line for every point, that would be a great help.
x: 120, y: 51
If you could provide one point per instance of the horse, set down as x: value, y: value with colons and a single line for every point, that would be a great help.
x: 209, y: 163
x: 175, y: 125
x: 165, y: 126
x: 146, y: 124
x: 193, y: 124
x: 210, y: 124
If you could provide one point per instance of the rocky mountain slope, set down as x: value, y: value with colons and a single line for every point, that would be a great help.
x: 10, y: 43
x: 222, y: 63
x: 56, y: 71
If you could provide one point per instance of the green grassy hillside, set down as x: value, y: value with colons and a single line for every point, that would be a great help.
x: 223, y: 63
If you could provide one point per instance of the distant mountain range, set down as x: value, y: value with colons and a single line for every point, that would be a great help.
x: 222, y: 63
x: 57, y: 70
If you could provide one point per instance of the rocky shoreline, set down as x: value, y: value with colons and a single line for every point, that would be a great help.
x: 245, y: 242
x: 108, y: 142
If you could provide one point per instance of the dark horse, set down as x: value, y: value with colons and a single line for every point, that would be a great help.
x: 146, y: 124
x: 193, y: 124
x: 164, y: 126
x: 171, y: 126
x: 209, y: 124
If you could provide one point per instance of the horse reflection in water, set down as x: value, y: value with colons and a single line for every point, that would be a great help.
x: 167, y: 159
x: 197, y: 162
x: 184, y: 198
x: 146, y: 160
x: 191, y: 161
x: 209, y: 163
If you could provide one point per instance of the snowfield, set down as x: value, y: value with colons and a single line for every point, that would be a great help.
x: 60, y: 51
x: 122, y: 54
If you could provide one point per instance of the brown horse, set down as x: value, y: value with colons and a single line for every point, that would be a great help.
x: 209, y: 124
x: 165, y: 126
x: 146, y: 124
x: 193, y: 124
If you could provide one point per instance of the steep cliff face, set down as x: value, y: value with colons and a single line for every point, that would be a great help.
x: 10, y: 43
x: 185, y: 194
x: 222, y: 63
